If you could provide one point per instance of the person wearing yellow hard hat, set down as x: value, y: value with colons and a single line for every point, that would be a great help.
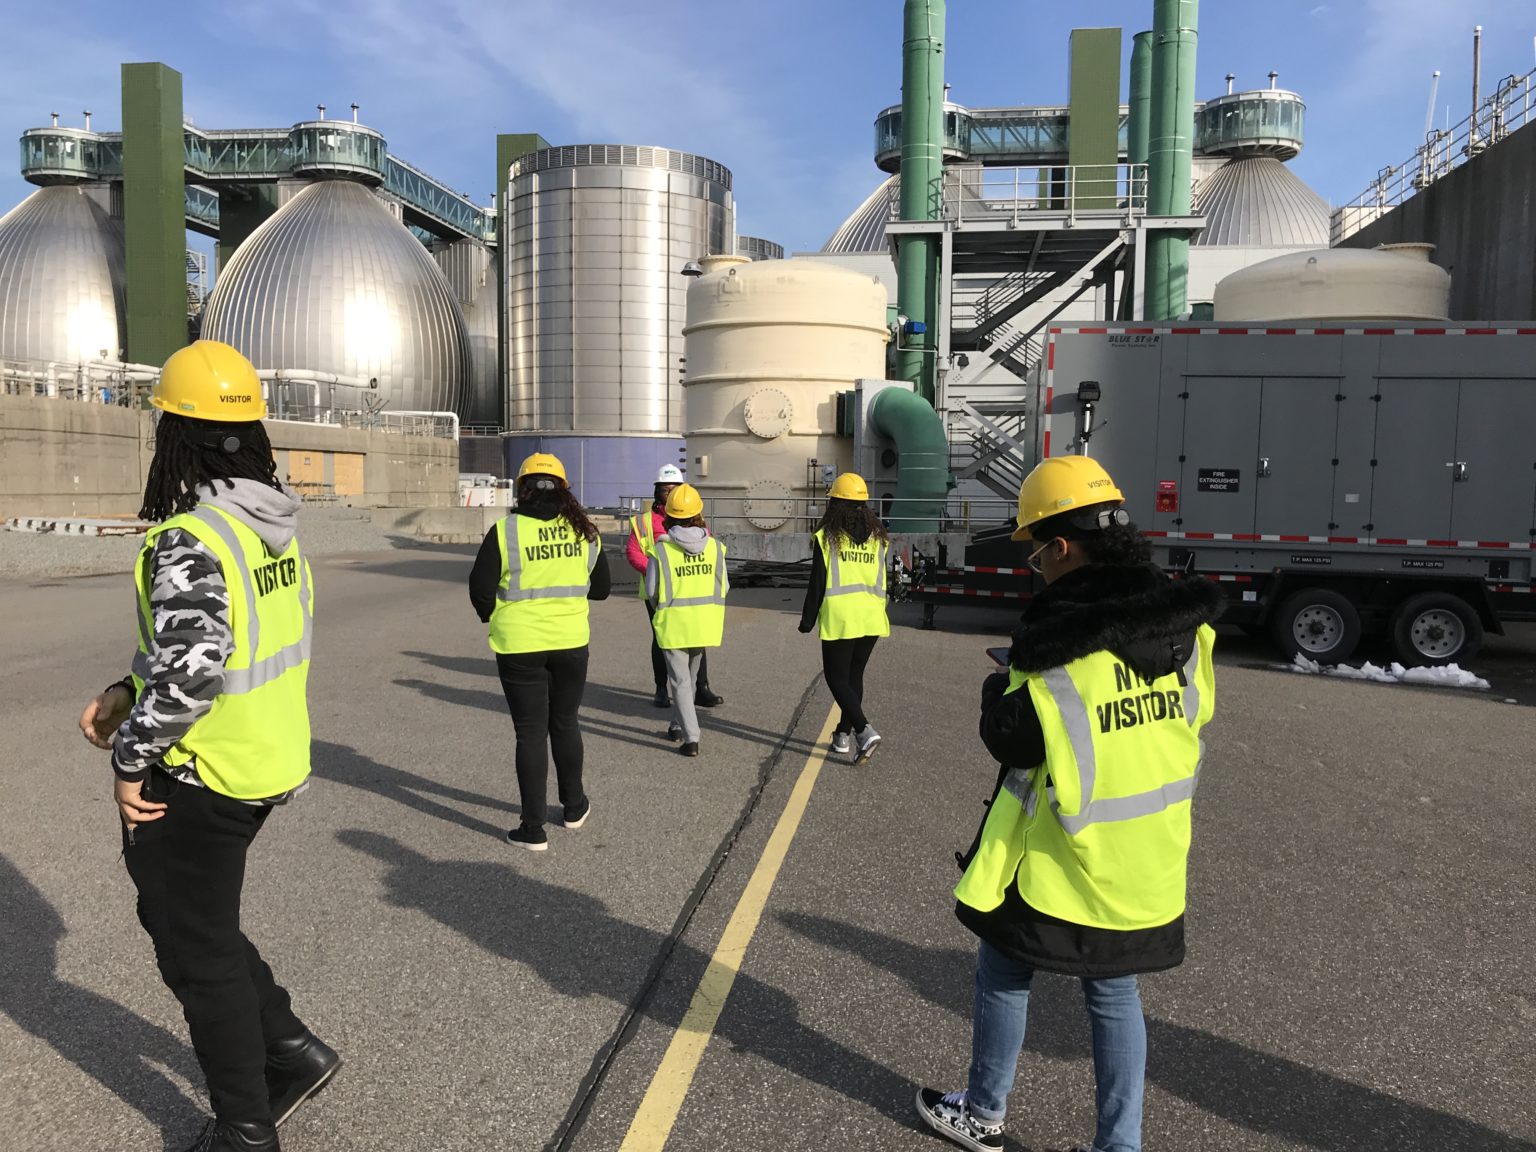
x: 210, y: 733
x: 536, y: 571
x: 845, y: 600
x: 1079, y: 867
x: 686, y: 585
x: 644, y: 527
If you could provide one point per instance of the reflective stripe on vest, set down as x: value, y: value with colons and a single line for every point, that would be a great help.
x: 542, y: 617
x: 854, y: 604
x: 254, y: 742
x: 696, y: 620
x: 643, y: 527
x: 1086, y: 855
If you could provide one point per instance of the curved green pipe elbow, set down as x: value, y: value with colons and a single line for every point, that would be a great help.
x: 922, y: 477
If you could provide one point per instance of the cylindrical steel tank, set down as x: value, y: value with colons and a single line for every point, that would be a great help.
x: 597, y: 239
x: 333, y: 282
x: 1396, y: 282
x: 756, y: 248
x: 61, y: 280
x: 471, y: 270
x: 770, y: 346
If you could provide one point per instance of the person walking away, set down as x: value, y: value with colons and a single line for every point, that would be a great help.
x: 846, y: 601
x: 686, y: 585
x: 532, y: 581
x: 211, y: 733
x: 1080, y: 865
x: 644, y: 527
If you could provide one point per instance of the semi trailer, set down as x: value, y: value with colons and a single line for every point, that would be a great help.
x: 1340, y: 482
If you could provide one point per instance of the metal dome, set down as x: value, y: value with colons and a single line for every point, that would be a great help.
x: 334, y: 283
x: 1258, y: 202
x: 864, y: 230
x: 61, y: 279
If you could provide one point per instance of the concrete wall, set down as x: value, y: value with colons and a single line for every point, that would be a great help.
x: 66, y: 458
x: 1482, y: 220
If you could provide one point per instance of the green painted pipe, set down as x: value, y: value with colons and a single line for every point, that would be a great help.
x: 1141, y: 98
x: 922, y: 177
x: 1170, y: 153
x: 922, y: 479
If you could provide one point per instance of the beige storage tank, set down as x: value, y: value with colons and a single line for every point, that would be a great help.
x: 769, y: 346
x: 1394, y: 282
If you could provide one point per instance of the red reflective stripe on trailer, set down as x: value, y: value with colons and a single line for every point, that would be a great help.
x: 1482, y: 331
x: 1140, y: 331
x: 1525, y: 331
x: 1093, y: 331
x: 985, y: 593
x: 1327, y: 331
x: 1185, y: 331
x: 1055, y: 331
x: 1295, y: 540
x: 1494, y: 544
x: 1440, y: 543
x: 1379, y: 332
x: 1232, y: 331
x: 1050, y: 354
x: 1429, y: 331
x: 1156, y: 535
x: 1246, y: 537
x: 1392, y: 541
x: 1343, y: 540
x: 1199, y: 535
x: 1235, y: 579
x: 1279, y: 331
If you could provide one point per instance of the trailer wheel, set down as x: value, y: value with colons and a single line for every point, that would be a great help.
x: 1319, y: 624
x: 1436, y: 628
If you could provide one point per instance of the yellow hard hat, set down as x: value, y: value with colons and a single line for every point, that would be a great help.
x: 849, y: 486
x: 543, y: 464
x: 684, y: 502
x: 208, y: 380
x: 1063, y: 484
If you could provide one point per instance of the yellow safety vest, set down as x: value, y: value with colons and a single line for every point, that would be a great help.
x: 643, y: 527
x: 1108, y: 846
x: 690, y: 595
x: 546, y: 570
x: 254, y: 742
x: 854, y: 605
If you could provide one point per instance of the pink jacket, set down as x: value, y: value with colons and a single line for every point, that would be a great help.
x: 633, y: 552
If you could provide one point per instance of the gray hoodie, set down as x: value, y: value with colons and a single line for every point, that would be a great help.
x: 191, y: 639
x: 690, y: 539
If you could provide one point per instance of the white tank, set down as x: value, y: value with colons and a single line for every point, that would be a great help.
x: 769, y: 346
x: 1393, y: 282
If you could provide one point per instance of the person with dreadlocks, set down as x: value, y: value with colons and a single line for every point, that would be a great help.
x: 211, y: 732
x: 846, y: 598
x: 531, y: 583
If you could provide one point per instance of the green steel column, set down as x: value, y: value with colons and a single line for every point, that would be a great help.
x: 154, y: 212
x: 242, y: 210
x: 1093, y: 117
x: 509, y: 147
x: 922, y: 179
x: 1141, y: 98
x: 1170, y: 153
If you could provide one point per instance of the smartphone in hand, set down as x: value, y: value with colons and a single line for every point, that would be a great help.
x: 999, y: 656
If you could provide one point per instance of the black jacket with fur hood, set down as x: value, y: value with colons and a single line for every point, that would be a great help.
x: 1149, y: 621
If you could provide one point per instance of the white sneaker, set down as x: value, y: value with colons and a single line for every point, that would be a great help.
x: 842, y: 743
x: 868, y: 739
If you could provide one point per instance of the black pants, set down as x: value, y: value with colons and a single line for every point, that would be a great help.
x: 544, y: 691
x: 842, y: 663
x: 659, y: 662
x: 189, y: 867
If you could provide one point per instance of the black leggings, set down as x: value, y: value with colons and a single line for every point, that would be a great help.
x: 842, y: 663
x: 544, y: 691
x: 659, y: 662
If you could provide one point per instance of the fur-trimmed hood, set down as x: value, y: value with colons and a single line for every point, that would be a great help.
x: 1138, y: 613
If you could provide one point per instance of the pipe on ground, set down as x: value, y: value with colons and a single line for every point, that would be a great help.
x: 922, y: 481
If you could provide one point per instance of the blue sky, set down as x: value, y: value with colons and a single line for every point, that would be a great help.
x: 784, y: 94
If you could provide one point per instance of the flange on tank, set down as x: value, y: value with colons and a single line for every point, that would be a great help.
x: 770, y: 345
x: 1393, y: 282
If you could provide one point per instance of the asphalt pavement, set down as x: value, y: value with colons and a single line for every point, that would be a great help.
x: 1361, y: 935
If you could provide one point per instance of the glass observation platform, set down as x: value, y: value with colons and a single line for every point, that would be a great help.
x: 1267, y: 122
x: 232, y: 157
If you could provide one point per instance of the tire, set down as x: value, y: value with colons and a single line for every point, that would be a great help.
x: 1436, y: 628
x: 1317, y: 623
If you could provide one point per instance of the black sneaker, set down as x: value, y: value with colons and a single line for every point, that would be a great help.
x: 232, y: 1136
x: 704, y: 698
x: 689, y: 749
x: 296, y: 1070
x: 576, y: 817
x: 948, y: 1114
x: 533, y: 839
x: 660, y: 699
x: 674, y: 732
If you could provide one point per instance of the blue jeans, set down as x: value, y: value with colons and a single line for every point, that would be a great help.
x: 1119, y: 1046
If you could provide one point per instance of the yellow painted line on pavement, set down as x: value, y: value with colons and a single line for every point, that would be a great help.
x: 653, y: 1122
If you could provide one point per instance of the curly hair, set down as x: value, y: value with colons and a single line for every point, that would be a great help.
x: 842, y: 517
x: 559, y: 501
x: 1117, y: 546
x: 190, y: 454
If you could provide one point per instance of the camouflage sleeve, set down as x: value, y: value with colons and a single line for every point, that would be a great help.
x: 189, y: 606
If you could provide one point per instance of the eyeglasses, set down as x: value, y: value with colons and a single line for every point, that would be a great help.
x: 1034, y: 563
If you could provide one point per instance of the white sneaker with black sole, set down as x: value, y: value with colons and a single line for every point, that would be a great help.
x: 950, y: 1116
x: 868, y: 740
x: 842, y: 743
